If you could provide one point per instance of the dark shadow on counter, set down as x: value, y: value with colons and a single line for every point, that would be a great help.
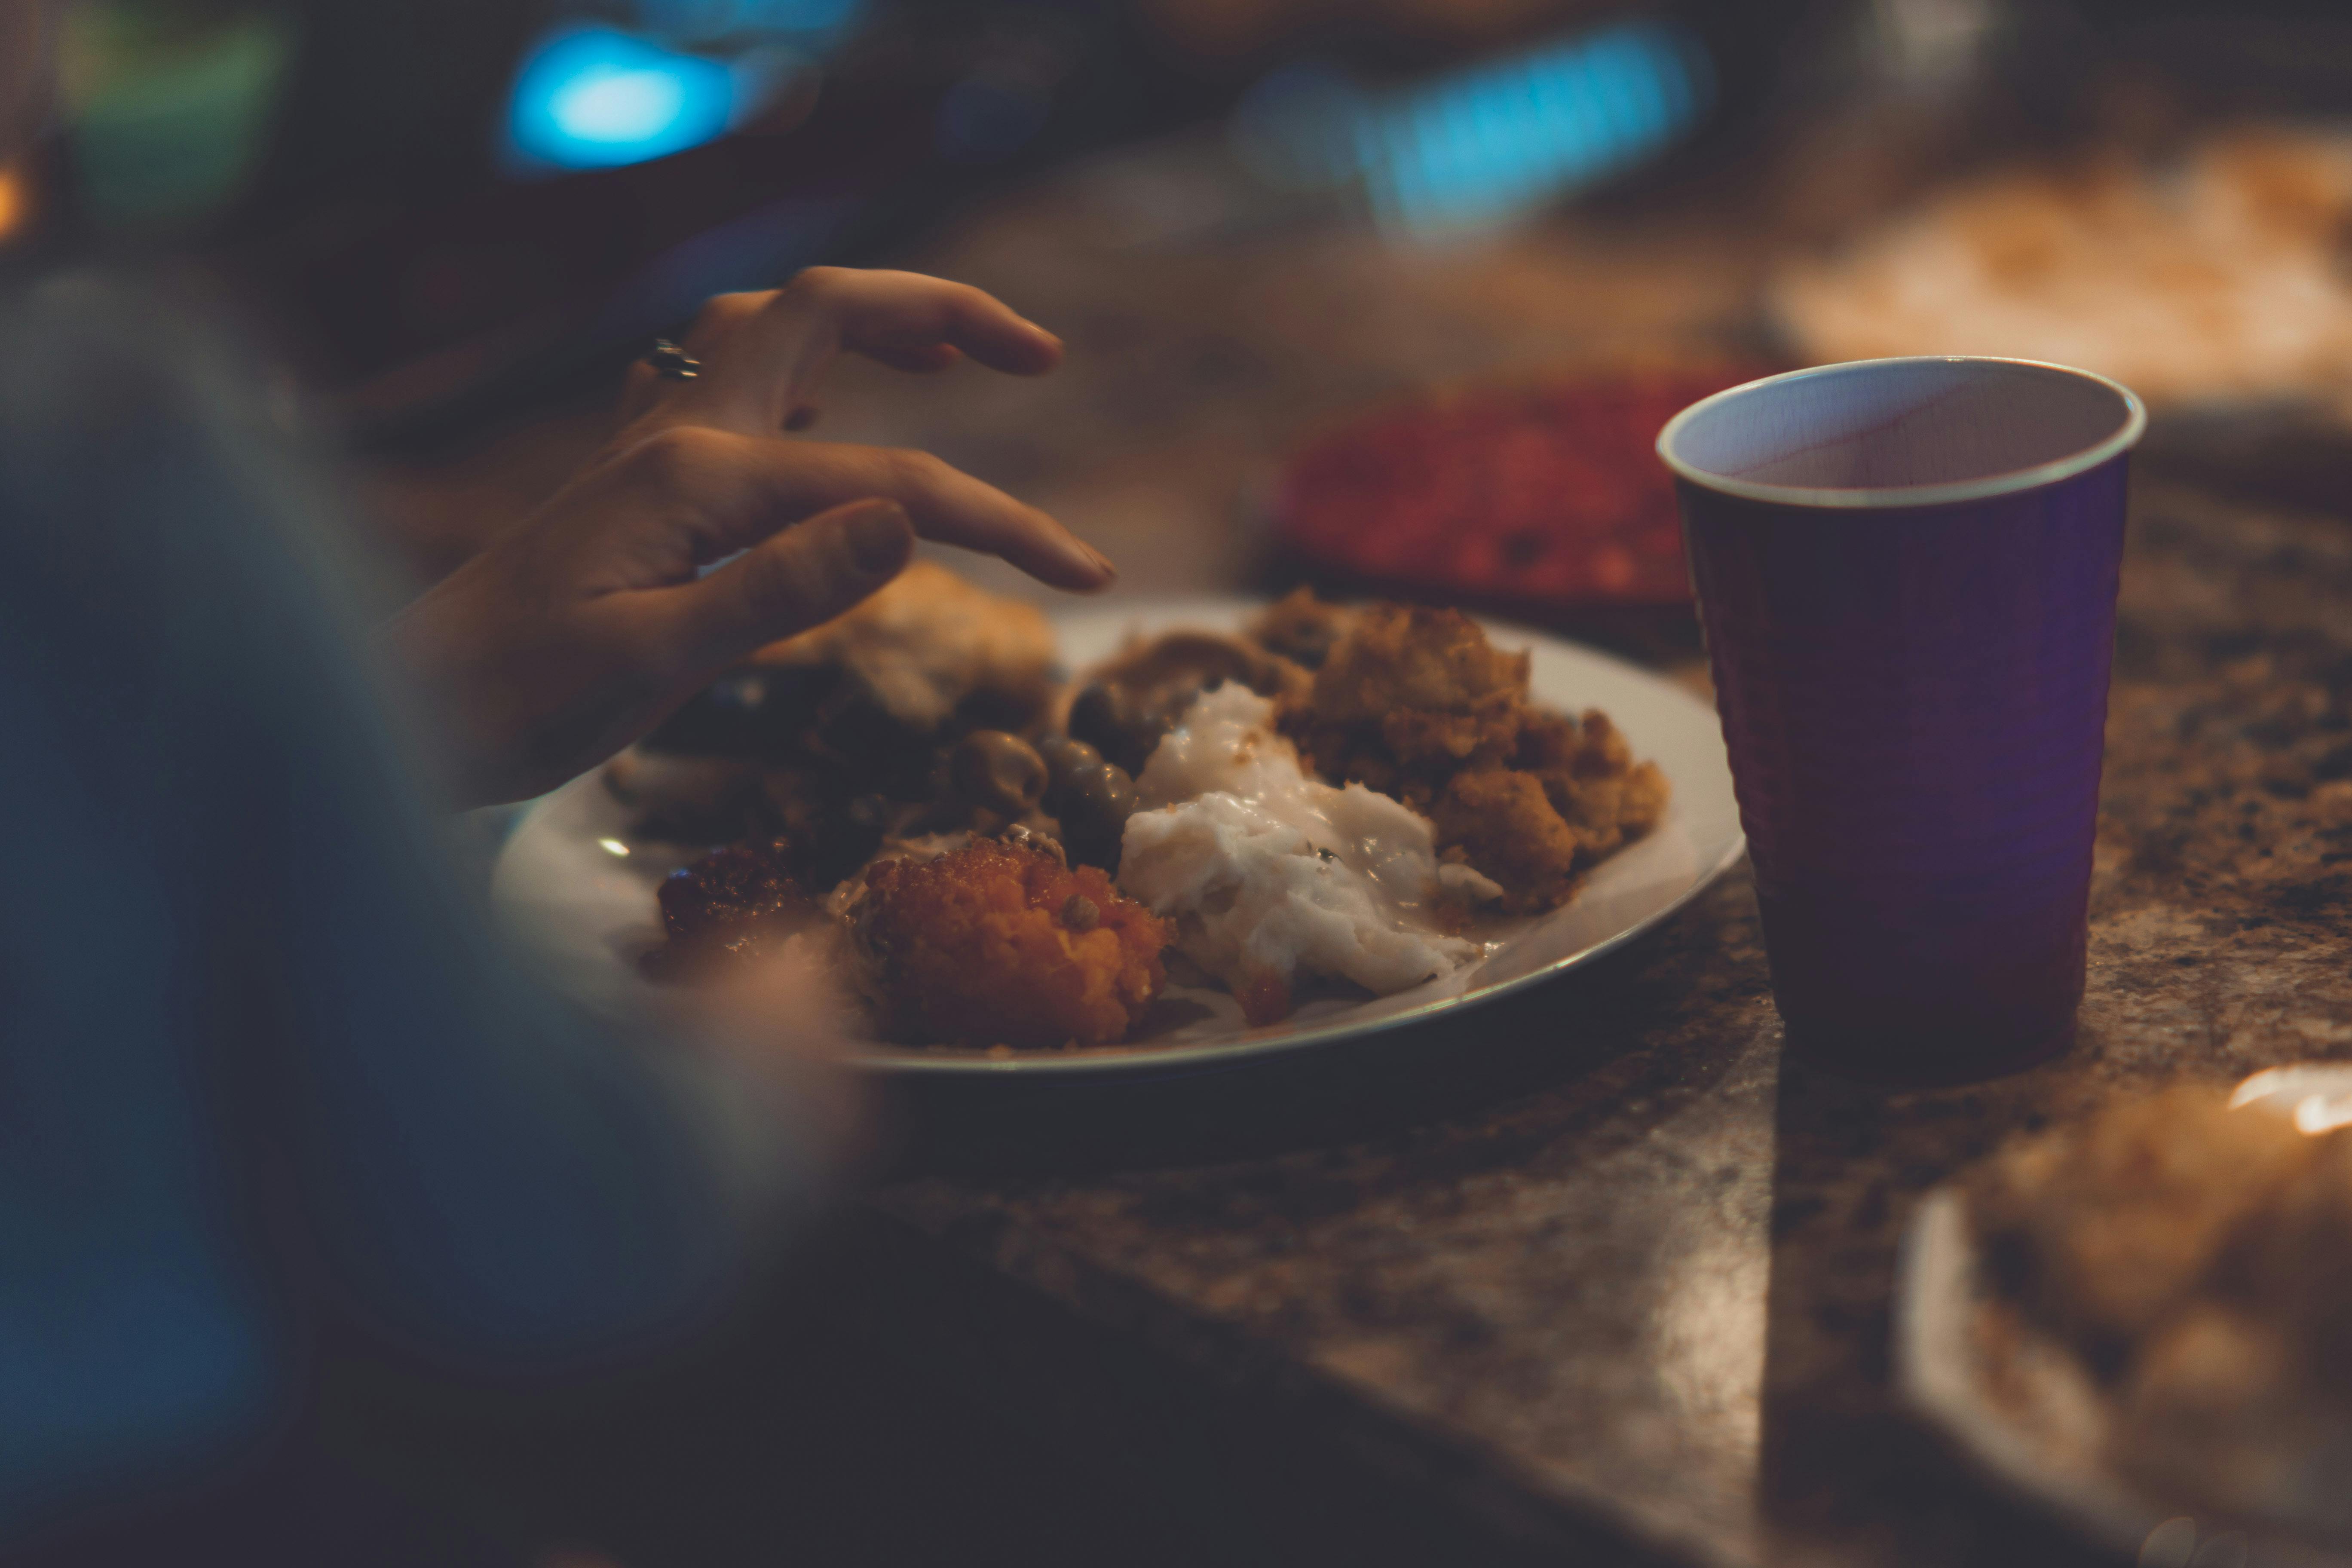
x: 1846, y: 1472
x: 895, y: 1399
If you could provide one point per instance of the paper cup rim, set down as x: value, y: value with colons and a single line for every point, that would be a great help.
x: 2013, y: 482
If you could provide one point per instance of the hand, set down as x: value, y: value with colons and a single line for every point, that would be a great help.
x: 583, y: 627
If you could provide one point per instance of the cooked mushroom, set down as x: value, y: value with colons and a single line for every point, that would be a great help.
x: 1137, y: 697
x: 997, y: 772
x: 1092, y: 799
x: 1108, y: 719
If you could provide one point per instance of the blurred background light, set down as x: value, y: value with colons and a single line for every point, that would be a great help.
x: 16, y: 201
x: 624, y: 107
x: 1487, y: 144
x: 591, y: 97
x: 1297, y: 128
x: 168, y: 107
x: 1931, y: 43
x: 1499, y: 140
x: 707, y: 21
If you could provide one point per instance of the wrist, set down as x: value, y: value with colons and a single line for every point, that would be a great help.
x: 432, y: 659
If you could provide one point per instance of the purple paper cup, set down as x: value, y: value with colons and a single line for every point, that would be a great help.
x: 1907, y: 571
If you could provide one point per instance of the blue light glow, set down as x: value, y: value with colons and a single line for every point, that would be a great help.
x: 625, y: 108
x: 1500, y: 140
x: 1488, y: 144
x: 596, y: 98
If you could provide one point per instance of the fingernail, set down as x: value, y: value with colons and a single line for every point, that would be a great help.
x: 1103, y: 562
x: 879, y: 537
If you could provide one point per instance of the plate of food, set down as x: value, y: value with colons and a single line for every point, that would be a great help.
x: 2142, y: 1321
x: 2211, y: 278
x: 1130, y: 837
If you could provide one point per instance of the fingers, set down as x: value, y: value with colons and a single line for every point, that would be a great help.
x: 764, y: 353
x: 926, y: 360
x: 744, y: 488
x: 797, y: 579
x: 945, y: 503
x: 906, y: 319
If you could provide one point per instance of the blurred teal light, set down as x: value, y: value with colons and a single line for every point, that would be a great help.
x: 596, y: 98
x: 618, y: 108
x: 799, y: 21
x: 1490, y: 143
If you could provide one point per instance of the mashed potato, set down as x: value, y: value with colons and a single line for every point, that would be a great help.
x: 1269, y: 873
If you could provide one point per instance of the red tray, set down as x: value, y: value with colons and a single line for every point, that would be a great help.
x: 1548, y: 492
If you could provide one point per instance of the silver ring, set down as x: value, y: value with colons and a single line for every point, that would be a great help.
x: 671, y: 362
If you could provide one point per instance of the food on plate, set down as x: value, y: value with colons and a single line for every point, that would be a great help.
x: 2104, y: 1227
x: 1269, y: 874
x: 1495, y: 816
x: 926, y: 651
x: 1302, y: 628
x: 732, y: 906
x: 1589, y: 774
x: 1127, y: 704
x: 2214, y: 275
x: 1409, y: 696
x: 1417, y: 703
x: 1090, y: 798
x: 835, y: 739
x: 2196, y: 1260
x: 1333, y: 796
x: 999, y: 942
x: 996, y: 771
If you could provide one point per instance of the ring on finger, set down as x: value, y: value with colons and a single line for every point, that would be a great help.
x: 672, y: 362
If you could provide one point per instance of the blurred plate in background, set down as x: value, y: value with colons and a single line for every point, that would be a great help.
x: 1538, y: 493
x: 2207, y: 278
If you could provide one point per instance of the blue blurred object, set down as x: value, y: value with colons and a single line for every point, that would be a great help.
x: 592, y: 96
x: 1487, y: 144
x: 1297, y: 128
x: 701, y: 21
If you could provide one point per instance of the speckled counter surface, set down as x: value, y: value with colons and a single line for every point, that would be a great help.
x: 1638, y: 1294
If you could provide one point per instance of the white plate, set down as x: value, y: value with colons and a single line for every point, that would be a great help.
x: 587, y: 913
x: 2018, y: 1408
